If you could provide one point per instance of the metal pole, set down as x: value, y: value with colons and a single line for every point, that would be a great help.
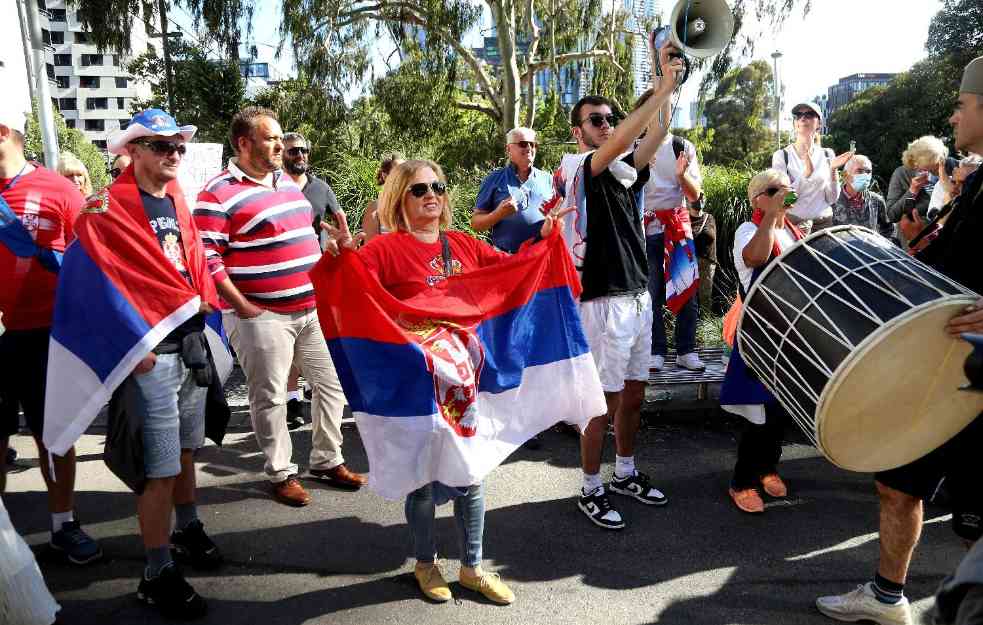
x: 778, y: 101
x: 46, y: 116
x: 169, y: 80
x: 25, y: 40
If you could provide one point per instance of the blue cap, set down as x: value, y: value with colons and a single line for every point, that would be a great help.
x: 148, y: 123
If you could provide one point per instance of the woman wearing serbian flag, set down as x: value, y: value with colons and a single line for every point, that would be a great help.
x: 757, y: 243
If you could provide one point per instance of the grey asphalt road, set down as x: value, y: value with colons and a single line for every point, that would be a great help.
x: 345, y: 558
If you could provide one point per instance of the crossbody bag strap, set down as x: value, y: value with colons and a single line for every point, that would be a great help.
x: 445, y: 244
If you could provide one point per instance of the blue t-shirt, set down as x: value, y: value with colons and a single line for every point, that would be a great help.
x: 529, y: 196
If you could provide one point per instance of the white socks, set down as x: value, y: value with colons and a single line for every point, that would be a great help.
x: 624, y: 466
x: 57, y: 518
x: 592, y: 482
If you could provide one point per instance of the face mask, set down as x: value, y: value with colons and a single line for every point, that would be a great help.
x: 860, y: 182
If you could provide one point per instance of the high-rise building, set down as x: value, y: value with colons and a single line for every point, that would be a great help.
x: 641, y: 13
x: 852, y: 86
x: 259, y: 70
x: 92, y: 89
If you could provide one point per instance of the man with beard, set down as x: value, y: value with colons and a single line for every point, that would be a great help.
x: 323, y: 201
x: 256, y: 226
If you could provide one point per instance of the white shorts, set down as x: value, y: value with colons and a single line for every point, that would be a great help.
x: 619, y: 332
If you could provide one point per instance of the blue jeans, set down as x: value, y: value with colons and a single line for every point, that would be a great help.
x: 469, y: 514
x: 685, y: 320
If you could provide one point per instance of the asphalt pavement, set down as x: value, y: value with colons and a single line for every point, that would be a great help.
x: 345, y: 558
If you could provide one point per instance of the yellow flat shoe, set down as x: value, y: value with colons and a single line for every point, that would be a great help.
x: 431, y: 582
x: 490, y: 585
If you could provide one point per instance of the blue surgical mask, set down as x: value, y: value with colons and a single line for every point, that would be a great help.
x: 860, y: 182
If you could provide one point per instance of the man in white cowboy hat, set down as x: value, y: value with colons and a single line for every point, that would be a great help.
x: 161, y: 386
x: 37, y: 209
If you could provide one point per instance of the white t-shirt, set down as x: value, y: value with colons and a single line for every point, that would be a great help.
x: 818, y: 192
x: 745, y: 232
x: 663, y: 189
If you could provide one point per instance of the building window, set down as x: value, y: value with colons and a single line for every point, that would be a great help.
x: 89, y: 82
x: 67, y: 104
x: 121, y: 82
x: 63, y: 60
x: 95, y: 125
x: 45, y: 37
x: 70, y: 123
x: 116, y: 60
x: 42, y: 6
x: 57, y: 15
x: 123, y: 123
x: 61, y: 81
x: 81, y: 37
x: 100, y: 143
x: 97, y: 104
x: 121, y: 103
x: 51, y: 70
x: 91, y: 59
x: 57, y: 38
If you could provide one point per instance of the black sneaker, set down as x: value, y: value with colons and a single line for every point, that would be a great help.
x: 295, y: 414
x: 72, y: 541
x: 192, y: 545
x: 638, y: 486
x: 171, y: 594
x: 599, y: 510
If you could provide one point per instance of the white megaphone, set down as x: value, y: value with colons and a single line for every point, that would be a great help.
x: 697, y: 28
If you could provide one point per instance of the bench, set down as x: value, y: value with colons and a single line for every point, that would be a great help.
x: 677, y: 389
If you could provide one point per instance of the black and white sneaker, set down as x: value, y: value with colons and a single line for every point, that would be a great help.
x: 192, y: 545
x: 171, y: 594
x: 599, y: 510
x: 639, y: 487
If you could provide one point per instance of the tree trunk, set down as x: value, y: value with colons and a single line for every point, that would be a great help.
x: 503, y: 14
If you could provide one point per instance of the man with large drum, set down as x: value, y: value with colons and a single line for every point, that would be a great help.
x: 957, y: 254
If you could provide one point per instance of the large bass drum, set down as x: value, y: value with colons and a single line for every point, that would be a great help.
x: 847, y: 331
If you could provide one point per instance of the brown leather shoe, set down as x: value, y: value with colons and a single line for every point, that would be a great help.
x: 291, y: 493
x: 341, y: 477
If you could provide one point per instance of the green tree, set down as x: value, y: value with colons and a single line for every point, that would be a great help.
x: 739, y: 114
x: 69, y: 140
x: 956, y: 31
x: 207, y: 92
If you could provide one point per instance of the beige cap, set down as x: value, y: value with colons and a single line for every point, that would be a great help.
x: 973, y: 77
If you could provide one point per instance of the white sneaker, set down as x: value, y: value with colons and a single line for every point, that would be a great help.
x: 691, y: 361
x: 862, y: 605
x: 657, y: 362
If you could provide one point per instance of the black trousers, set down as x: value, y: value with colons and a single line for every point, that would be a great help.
x: 760, y: 448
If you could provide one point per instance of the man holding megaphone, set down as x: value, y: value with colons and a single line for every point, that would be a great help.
x: 696, y: 28
x: 603, y: 183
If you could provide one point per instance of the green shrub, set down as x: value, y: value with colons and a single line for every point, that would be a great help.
x: 725, y: 190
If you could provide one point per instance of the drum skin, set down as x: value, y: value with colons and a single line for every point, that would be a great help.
x: 847, y: 331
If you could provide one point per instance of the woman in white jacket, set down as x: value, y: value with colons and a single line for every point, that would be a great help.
x: 812, y: 170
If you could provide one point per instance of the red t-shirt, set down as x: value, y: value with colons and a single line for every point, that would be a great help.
x: 406, y: 266
x: 47, y: 205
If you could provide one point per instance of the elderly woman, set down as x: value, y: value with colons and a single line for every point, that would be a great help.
x: 950, y: 187
x: 419, y: 253
x: 72, y: 168
x: 811, y: 169
x: 757, y: 243
x: 911, y: 186
x: 370, y: 218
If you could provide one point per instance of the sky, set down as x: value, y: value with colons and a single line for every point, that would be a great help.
x: 837, y: 38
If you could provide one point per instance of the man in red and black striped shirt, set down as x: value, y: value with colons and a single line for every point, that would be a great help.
x: 259, y: 242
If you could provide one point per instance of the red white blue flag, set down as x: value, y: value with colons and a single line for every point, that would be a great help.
x: 446, y: 384
x: 118, y: 296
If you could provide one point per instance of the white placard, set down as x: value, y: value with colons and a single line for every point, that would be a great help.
x: 201, y: 163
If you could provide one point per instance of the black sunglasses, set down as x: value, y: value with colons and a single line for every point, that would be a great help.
x: 115, y: 172
x: 420, y: 189
x: 166, y: 148
x: 597, y: 120
x: 297, y: 151
x: 805, y: 114
x: 525, y: 144
x: 771, y: 191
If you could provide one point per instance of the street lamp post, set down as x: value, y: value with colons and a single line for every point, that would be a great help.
x: 778, y: 100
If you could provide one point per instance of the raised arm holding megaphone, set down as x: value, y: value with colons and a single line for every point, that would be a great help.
x: 696, y: 28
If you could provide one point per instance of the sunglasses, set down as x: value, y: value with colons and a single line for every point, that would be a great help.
x: 420, y: 189
x: 297, y: 151
x: 525, y: 144
x: 771, y: 191
x: 115, y: 172
x: 805, y: 115
x: 597, y: 120
x: 165, y: 148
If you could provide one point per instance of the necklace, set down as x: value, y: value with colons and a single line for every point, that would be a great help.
x: 13, y: 180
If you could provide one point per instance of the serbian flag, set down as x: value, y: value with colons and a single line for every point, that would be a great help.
x: 682, y: 269
x: 118, y: 296
x: 446, y: 384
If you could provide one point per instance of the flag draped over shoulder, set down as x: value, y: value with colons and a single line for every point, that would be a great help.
x: 118, y: 296
x: 446, y: 384
x: 19, y: 241
x: 682, y: 269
